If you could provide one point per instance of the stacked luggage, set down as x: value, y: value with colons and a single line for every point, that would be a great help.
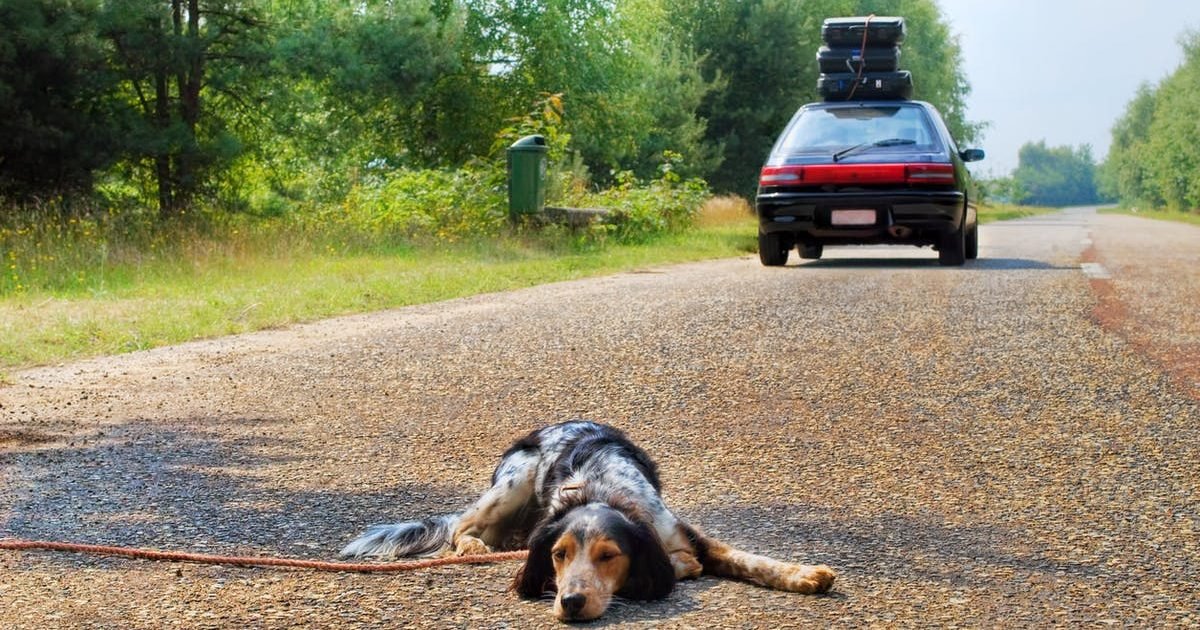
x: 861, y: 58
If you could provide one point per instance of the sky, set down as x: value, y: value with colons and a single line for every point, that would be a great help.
x: 1061, y: 70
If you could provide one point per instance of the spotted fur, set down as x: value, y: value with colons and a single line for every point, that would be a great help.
x: 585, y: 500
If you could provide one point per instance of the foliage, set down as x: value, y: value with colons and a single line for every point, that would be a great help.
x: 761, y: 84
x: 447, y: 205
x: 1054, y: 176
x: 1003, y: 190
x: 392, y: 116
x: 1125, y: 174
x: 186, y: 67
x: 59, y: 119
x: 761, y: 56
x: 640, y: 210
x: 1154, y: 159
x: 1174, y: 138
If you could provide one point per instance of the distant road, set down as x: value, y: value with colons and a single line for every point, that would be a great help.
x: 1011, y: 443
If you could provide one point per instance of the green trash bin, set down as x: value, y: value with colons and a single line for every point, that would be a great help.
x: 527, y: 176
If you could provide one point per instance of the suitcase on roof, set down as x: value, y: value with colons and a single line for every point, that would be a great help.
x: 847, y: 32
x: 871, y: 86
x: 849, y: 59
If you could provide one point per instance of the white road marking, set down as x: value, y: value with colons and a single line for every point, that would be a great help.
x: 1096, y: 271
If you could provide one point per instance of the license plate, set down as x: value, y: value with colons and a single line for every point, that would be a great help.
x: 852, y: 217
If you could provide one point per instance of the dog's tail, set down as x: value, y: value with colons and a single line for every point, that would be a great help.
x: 426, y: 537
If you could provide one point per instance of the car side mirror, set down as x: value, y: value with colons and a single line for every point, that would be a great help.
x: 971, y: 155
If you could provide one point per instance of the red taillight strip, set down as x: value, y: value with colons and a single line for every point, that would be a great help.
x: 930, y: 173
x: 780, y: 175
x: 820, y: 174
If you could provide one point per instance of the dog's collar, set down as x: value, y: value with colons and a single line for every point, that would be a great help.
x: 571, y: 487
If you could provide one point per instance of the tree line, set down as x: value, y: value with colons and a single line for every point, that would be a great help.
x: 1154, y: 159
x: 1048, y: 176
x: 254, y: 104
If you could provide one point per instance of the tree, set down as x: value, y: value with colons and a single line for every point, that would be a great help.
x: 1126, y: 172
x: 629, y: 92
x: 763, y: 54
x: 761, y: 83
x: 1173, y: 145
x: 58, y: 118
x: 1155, y: 153
x: 1055, y: 176
x: 185, y: 65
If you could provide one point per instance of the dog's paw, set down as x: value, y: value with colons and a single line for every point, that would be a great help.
x: 470, y: 546
x: 811, y: 580
x: 686, y: 566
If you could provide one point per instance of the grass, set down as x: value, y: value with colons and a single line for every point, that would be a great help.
x: 1006, y: 211
x: 1190, y: 217
x: 210, y: 287
x: 82, y: 296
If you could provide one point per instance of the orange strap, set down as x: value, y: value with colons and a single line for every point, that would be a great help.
x: 862, y: 61
x: 16, y: 544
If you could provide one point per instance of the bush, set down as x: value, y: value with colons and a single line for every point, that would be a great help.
x: 640, y: 210
x: 446, y: 205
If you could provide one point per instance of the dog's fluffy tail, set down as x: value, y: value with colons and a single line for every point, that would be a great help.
x: 426, y: 537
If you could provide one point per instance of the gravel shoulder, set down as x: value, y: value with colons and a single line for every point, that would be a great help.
x: 979, y: 446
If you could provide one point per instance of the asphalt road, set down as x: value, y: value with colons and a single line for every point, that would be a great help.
x: 1012, y: 443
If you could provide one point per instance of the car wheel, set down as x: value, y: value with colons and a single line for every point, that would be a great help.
x: 811, y: 251
x: 772, y: 249
x: 973, y: 243
x: 952, y: 251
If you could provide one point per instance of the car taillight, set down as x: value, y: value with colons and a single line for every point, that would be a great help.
x: 821, y: 174
x: 781, y: 175
x: 930, y: 174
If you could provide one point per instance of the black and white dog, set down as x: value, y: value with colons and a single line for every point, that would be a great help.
x: 586, y: 501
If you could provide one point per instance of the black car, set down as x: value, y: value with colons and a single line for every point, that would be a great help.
x: 866, y: 172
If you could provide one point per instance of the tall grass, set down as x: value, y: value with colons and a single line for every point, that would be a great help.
x: 104, y: 283
x: 101, y: 283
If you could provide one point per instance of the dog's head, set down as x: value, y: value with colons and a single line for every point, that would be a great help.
x: 590, y: 553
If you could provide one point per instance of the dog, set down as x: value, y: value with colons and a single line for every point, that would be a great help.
x: 586, y: 502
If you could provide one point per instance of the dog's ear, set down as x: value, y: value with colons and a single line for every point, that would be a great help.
x: 536, y: 577
x: 651, y: 575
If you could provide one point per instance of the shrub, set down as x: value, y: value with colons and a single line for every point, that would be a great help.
x: 446, y: 205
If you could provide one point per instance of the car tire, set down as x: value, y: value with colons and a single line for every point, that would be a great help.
x: 952, y: 251
x: 973, y: 243
x: 811, y: 251
x: 772, y: 249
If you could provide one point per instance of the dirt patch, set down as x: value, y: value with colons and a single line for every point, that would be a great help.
x: 9, y: 437
x: 1125, y: 304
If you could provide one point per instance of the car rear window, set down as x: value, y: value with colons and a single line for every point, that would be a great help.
x: 828, y: 130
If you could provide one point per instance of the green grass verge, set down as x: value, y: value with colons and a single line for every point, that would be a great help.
x: 161, y: 301
x: 1192, y: 218
x: 207, y: 289
x: 1005, y: 211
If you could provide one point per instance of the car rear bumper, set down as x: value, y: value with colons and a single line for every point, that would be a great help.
x: 917, y: 217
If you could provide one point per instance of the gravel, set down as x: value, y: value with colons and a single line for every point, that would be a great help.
x: 985, y: 446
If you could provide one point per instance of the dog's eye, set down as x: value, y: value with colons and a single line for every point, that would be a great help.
x: 559, y: 555
x: 607, y: 555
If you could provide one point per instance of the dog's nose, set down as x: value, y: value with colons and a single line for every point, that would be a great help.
x: 573, y: 603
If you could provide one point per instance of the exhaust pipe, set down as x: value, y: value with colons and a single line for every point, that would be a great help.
x: 900, y: 231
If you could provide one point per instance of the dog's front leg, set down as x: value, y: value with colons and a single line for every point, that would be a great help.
x: 725, y: 561
x: 683, y: 555
x: 482, y: 526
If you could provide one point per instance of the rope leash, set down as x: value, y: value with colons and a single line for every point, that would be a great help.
x: 863, y: 61
x: 17, y: 544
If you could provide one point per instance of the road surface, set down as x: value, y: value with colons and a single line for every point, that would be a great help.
x: 1011, y: 443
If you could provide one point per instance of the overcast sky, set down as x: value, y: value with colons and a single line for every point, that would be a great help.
x: 1061, y: 70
